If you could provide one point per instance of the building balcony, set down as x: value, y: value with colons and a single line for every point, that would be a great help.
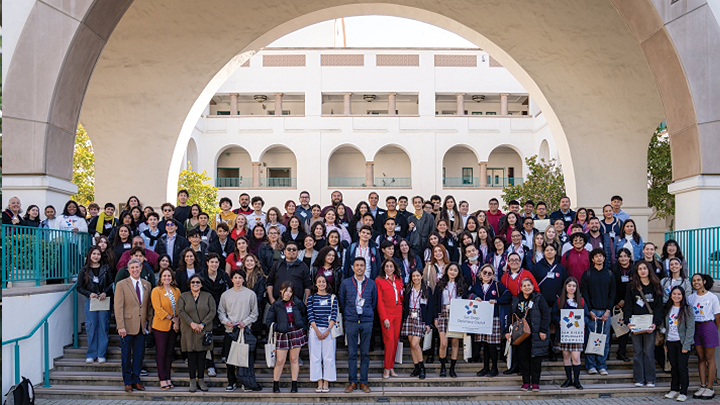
x: 228, y: 182
x: 278, y: 182
x: 346, y: 182
x: 393, y: 182
x: 502, y: 182
x: 470, y: 182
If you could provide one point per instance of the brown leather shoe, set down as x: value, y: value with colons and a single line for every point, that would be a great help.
x: 350, y: 388
x: 138, y: 387
x: 365, y: 388
x: 128, y: 388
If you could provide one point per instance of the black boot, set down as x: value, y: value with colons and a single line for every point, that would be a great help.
x: 453, y: 374
x: 421, y: 366
x: 430, y: 358
x: 569, y: 381
x: 294, y: 387
x: 443, y: 372
x: 493, y: 349
x: 576, y: 372
x: 276, y: 386
x: 476, y: 352
x: 486, y: 362
x: 416, y: 371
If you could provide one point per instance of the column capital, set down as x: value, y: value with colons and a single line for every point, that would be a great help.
x: 279, y: 94
x: 392, y: 93
x: 347, y: 93
x: 504, y: 94
x: 369, y: 163
x: 235, y: 94
x: 459, y: 94
x: 482, y: 163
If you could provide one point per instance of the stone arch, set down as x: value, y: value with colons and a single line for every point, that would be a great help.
x: 544, y: 152
x: 505, y: 166
x: 460, y: 167
x: 191, y: 155
x: 278, y: 167
x: 392, y: 167
x: 348, y: 170
x: 232, y: 167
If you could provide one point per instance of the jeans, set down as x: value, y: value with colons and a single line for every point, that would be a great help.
x: 679, y: 362
x: 96, y: 326
x: 644, y: 357
x: 132, y: 352
x: 593, y: 360
x: 353, y: 329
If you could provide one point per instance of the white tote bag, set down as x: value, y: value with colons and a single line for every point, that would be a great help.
x: 399, y: 353
x: 337, y: 329
x: 467, y: 347
x: 618, y: 323
x: 239, y: 352
x: 270, y: 347
x: 427, y: 340
x: 596, y: 341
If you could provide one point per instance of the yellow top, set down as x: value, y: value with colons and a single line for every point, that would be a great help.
x: 163, y: 307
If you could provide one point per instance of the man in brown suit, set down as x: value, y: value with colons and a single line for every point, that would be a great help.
x: 132, y: 313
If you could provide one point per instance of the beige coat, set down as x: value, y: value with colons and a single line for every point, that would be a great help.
x: 130, y: 314
x: 191, y: 341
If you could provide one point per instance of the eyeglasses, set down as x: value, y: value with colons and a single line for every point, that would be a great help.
x: 487, y: 273
x: 514, y: 261
x: 291, y: 250
x: 169, y: 224
x: 195, y: 282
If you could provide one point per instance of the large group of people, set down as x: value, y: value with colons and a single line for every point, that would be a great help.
x: 379, y: 276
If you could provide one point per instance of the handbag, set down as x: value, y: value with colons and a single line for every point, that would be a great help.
x: 618, y: 323
x: 659, y: 332
x: 337, y: 329
x: 596, y: 341
x: 270, y: 347
x: 520, y: 329
x: 239, y: 352
x: 207, y: 338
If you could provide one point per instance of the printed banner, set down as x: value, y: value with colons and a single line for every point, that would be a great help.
x: 572, y: 326
x: 471, y: 316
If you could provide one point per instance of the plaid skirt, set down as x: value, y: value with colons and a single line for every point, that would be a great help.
x: 572, y: 347
x: 291, y: 340
x: 443, y: 319
x: 494, y: 338
x: 413, y: 326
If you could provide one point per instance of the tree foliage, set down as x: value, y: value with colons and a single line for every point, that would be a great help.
x: 659, y: 172
x: 200, y: 193
x: 545, y: 182
x: 83, y: 168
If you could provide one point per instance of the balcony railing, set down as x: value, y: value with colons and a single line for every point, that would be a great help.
x: 461, y: 182
x: 37, y: 255
x: 502, y: 182
x: 278, y: 182
x: 228, y: 182
x: 343, y: 182
x: 701, y: 248
x: 393, y: 182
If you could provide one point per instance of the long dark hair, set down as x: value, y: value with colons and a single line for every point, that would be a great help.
x: 683, y: 275
x: 86, y: 266
x: 506, y: 224
x: 637, y: 285
x: 423, y: 287
x: 475, y: 221
x: 563, y: 294
x: 117, y: 240
x: 320, y: 259
x: 67, y: 204
x: 27, y: 212
x: 669, y: 242
x: 328, y: 286
x: 395, y: 265
x: 456, y: 212
x: 683, y: 302
x: 460, y: 285
x: 254, y: 243
x: 635, y: 235
x: 183, y: 266
x: 108, y: 254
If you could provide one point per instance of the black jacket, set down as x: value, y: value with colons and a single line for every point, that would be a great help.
x: 425, y: 313
x: 538, y: 317
x: 287, y: 236
x: 180, y: 244
x: 296, y: 272
x: 278, y: 314
x: 87, y: 286
x: 598, y: 289
x: 550, y: 288
x: 216, y: 247
x: 401, y: 224
x: 337, y: 275
x: 436, y: 301
x: 221, y: 284
x: 653, y: 307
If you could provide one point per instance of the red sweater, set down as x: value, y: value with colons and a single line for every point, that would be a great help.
x: 387, y: 306
x: 494, y: 220
x: 576, y: 262
x: 514, y: 284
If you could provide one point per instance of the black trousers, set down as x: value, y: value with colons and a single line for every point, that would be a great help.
x: 622, y: 344
x: 530, y: 367
x: 679, y: 362
x: 196, y: 364
x: 242, y: 375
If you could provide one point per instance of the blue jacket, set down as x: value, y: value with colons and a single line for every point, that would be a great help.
x: 490, y: 259
x: 375, y: 259
x: 637, y: 247
x: 468, y: 275
x: 348, y: 294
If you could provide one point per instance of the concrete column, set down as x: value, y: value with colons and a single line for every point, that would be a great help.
x: 347, y: 105
x: 278, y: 104
x: 460, y: 103
x: 483, y: 174
x: 233, y: 104
x: 391, y: 103
x: 697, y: 200
x: 504, y: 104
x: 369, y: 174
x: 256, y: 174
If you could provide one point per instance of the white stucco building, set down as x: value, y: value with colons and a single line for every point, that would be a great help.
x: 401, y: 121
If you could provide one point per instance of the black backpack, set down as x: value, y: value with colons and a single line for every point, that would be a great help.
x: 21, y: 394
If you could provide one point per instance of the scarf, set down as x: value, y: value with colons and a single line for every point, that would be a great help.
x: 100, y: 226
x: 152, y: 238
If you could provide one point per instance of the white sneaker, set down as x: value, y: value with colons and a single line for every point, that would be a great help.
x: 650, y: 385
x: 699, y: 392
x: 592, y: 371
x: 603, y: 371
x: 101, y: 360
x: 681, y: 398
x: 639, y: 384
x: 89, y: 360
x: 708, y: 394
x: 671, y: 394
x: 211, y: 372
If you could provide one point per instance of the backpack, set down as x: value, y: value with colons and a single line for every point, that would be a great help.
x: 21, y: 394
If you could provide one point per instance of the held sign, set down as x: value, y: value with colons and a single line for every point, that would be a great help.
x: 471, y: 316
x: 572, y: 326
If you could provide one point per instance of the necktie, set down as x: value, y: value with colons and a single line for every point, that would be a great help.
x: 137, y: 290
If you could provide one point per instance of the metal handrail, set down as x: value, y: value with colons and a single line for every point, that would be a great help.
x: 46, y: 344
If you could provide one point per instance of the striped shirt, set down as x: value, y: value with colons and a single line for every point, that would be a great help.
x: 320, y: 310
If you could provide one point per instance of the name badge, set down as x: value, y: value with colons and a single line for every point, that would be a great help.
x: 625, y: 279
x: 413, y: 314
x: 96, y: 280
x: 640, y: 302
x: 108, y: 225
x: 450, y: 243
x: 204, y: 238
x: 572, y: 303
x: 304, y: 214
x: 550, y: 274
x: 397, y: 228
x: 127, y: 245
x: 324, y: 302
x: 224, y: 254
x: 289, y: 309
x: 423, y: 301
x: 238, y: 263
x: 327, y: 273
x: 361, y: 302
x: 649, y: 298
x: 530, y: 305
x: 568, y: 219
x: 612, y: 234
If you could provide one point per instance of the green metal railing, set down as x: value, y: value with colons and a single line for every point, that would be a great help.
x: 228, y: 182
x: 346, y: 182
x: 701, y: 248
x: 44, y: 322
x: 393, y: 182
x: 278, y: 182
x: 461, y: 182
x: 34, y: 254
x: 503, y: 182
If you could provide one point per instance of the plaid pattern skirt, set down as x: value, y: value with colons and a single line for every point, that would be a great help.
x: 443, y: 319
x: 291, y: 340
x: 494, y: 338
x: 413, y: 326
x: 572, y: 347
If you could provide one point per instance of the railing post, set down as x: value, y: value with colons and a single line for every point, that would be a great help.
x: 17, y: 362
x: 75, y: 319
x: 47, y: 353
x: 37, y: 255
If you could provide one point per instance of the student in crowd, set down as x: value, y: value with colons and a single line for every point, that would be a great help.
x: 151, y: 235
x: 541, y: 211
x: 290, y: 317
x: 317, y: 232
x: 122, y: 241
x: 532, y: 306
x: 102, y: 224
x: 570, y: 298
x: 631, y: 240
x: 510, y: 223
x: 435, y: 200
x: 235, y: 259
x: 244, y: 208
x: 598, y: 290
x: 172, y: 243
x: 308, y: 254
x: 225, y: 216
x: 486, y: 288
x: 373, y: 199
x: 366, y: 249
x: 108, y: 257
x: 516, y: 246
x: 671, y: 250
x: 276, y: 245
x: 535, y: 255
x: 302, y: 210
x: 274, y: 218
x: 551, y: 237
x: 611, y: 226
x: 433, y: 241
x: 472, y: 226
x: 330, y: 223
x: 471, y: 267
x: 451, y: 215
x: 183, y: 211
x: 402, y: 206
x: 616, y: 201
x: 420, y: 225
x: 448, y: 240
x: 70, y: 221
x: 451, y: 286
x: 132, y: 202
x: 581, y: 218
x: 528, y: 231
x: 188, y: 266
x: 361, y: 209
x: 168, y: 211
x: 192, y: 220
x: 552, y: 276
x: 138, y: 220
x: 238, y: 310
x: 290, y: 211
x: 258, y: 245
x: 215, y: 282
x: 388, y: 233
x: 622, y: 270
x: 256, y: 280
x: 333, y: 241
x: 358, y: 299
x: 95, y: 282
x: 644, y: 297
x: 679, y: 322
x: 464, y: 240
x: 483, y: 222
x: 328, y: 265
x: 707, y: 320
x: 401, y: 222
x: 416, y: 318
x: 497, y: 256
x: 292, y: 270
x: 577, y: 260
x: 50, y: 221
x: 315, y: 212
x: 598, y: 239
x: 408, y: 260
x: 512, y: 278
x: 559, y: 225
x: 336, y: 198
x: 294, y: 230
x: 165, y: 324
x: 390, y: 304
x: 677, y: 278
x: 322, y: 311
x: 239, y: 227
x: 222, y: 245
x: 651, y: 259
x: 564, y: 213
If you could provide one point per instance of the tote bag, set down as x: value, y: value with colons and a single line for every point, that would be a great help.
x: 427, y: 340
x: 618, y: 323
x: 239, y: 352
x: 467, y: 347
x: 399, y: 353
x: 270, y: 347
x: 596, y: 341
x: 337, y: 329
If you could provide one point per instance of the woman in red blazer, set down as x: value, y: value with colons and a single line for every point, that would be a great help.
x: 390, y: 304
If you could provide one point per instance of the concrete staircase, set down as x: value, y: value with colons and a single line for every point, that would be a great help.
x: 72, y: 378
